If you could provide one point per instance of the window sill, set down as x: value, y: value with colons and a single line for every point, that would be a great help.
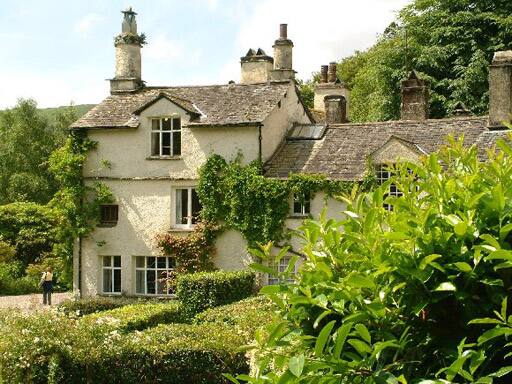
x: 299, y: 216
x: 171, y: 296
x: 181, y: 229
x: 164, y: 157
x: 106, y: 225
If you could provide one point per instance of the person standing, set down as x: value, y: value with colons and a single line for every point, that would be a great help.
x: 47, y: 284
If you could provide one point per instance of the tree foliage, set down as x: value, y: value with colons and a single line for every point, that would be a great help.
x: 450, y: 44
x: 27, y: 139
x: 419, y: 294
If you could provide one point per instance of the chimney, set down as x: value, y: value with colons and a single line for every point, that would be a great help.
x: 331, y: 72
x: 283, y: 47
x: 256, y: 67
x: 335, y: 109
x: 500, y: 89
x: 128, y: 59
x: 323, y: 74
x: 414, y: 98
x: 330, y: 85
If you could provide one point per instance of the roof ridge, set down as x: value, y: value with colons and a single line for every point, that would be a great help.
x: 408, y: 122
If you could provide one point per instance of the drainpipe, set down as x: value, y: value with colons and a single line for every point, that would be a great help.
x: 259, y: 142
x: 80, y: 266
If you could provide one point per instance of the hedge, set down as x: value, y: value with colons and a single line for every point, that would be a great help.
x: 96, y: 304
x: 51, y: 347
x: 137, y: 317
x: 203, y: 290
x: 244, y: 316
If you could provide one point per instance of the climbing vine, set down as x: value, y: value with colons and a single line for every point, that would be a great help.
x: 193, y: 252
x: 77, y: 202
x: 242, y: 198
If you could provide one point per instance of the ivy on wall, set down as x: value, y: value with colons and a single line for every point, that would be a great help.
x: 241, y: 198
x: 77, y: 202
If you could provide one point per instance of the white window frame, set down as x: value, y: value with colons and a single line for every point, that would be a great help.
x: 145, y: 269
x: 383, y: 174
x: 112, y: 269
x: 160, y: 132
x: 174, y: 209
x: 296, y: 199
x: 283, y: 264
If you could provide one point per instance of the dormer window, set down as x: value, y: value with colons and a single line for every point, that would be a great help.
x: 166, y: 136
x: 383, y: 174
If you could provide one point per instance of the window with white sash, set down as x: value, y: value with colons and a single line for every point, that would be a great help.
x: 111, y: 274
x: 152, y: 275
x: 186, y: 207
x: 166, y: 136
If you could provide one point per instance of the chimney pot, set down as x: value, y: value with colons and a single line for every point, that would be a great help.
x: 331, y: 73
x: 500, y: 89
x: 323, y: 74
x: 335, y: 109
x: 283, y: 31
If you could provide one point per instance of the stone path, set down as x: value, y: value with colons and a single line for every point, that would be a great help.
x: 31, y: 302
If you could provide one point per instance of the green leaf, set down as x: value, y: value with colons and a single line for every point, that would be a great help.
x: 485, y: 320
x: 493, y: 333
x: 360, y: 346
x: 460, y: 229
x: 341, y: 336
x: 490, y: 240
x: 504, y: 231
x: 363, y: 332
x: 453, y: 219
x: 296, y: 365
x: 500, y: 254
x: 502, y: 372
x: 263, y: 268
x: 322, y: 338
x: 428, y: 260
x: 446, y: 286
x: 360, y: 281
x: 463, y: 266
x: 319, y: 318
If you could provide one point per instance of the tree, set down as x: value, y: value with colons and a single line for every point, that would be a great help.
x: 27, y: 139
x: 450, y: 43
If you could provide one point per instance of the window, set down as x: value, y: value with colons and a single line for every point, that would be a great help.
x: 383, y: 175
x: 108, y: 215
x: 187, y: 207
x: 152, y: 273
x: 281, y: 267
x: 301, y: 204
x: 166, y: 136
x: 111, y: 274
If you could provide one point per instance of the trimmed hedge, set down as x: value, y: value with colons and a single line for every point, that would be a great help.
x: 50, y: 347
x: 96, y: 304
x: 245, y: 316
x: 137, y: 317
x: 203, y: 290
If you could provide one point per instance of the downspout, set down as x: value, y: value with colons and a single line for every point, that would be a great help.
x: 80, y: 266
x: 259, y: 142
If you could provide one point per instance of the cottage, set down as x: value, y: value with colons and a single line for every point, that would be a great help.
x: 152, y: 140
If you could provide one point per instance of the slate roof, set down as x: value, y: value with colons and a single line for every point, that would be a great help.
x: 343, y: 150
x: 212, y: 105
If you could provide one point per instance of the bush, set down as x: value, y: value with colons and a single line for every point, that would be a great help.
x: 416, y: 294
x: 50, y: 347
x: 245, y: 316
x: 199, y: 291
x: 139, y: 316
x: 177, y: 353
x: 96, y: 304
x: 12, y: 281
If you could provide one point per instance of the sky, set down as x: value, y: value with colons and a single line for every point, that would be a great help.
x: 61, y: 51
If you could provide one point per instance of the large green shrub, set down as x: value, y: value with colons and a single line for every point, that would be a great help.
x: 414, y: 295
x: 243, y: 317
x: 202, y: 290
x: 136, y: 317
